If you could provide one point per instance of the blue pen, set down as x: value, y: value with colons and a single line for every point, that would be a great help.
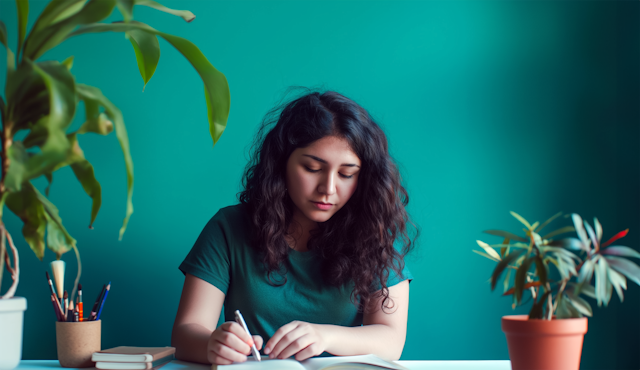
x: 106, y: 292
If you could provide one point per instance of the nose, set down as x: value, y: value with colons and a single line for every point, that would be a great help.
x: 327, y: 185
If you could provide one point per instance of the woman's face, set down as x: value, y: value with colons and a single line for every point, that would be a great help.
x: 322, y: 177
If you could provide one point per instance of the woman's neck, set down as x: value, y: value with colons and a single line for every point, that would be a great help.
x: 299, y: 231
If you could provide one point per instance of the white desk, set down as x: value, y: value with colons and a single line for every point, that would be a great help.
x: 412, y: 365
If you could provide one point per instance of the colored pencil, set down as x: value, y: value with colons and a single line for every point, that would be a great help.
x: 80, y: 302
x: 103, y: 299
x: 53, y: 291
x: 94, y: 310
x: 55, y: 307
x: 66, y: 303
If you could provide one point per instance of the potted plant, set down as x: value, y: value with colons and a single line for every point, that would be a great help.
x: 551, y: 336
x: 40, y: 102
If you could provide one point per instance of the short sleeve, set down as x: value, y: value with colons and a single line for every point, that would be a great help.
x: 394, y: 278
x: 209, y: 256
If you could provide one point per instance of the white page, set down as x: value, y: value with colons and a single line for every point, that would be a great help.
x: 322, y: 362
x: 265, y: 364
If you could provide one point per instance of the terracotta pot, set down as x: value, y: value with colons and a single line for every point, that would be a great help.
x: 544, y: 344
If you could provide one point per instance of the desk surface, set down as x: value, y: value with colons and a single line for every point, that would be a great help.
x: 411, y: 365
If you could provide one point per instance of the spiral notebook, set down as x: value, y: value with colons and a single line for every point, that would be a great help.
x: 364, y: 362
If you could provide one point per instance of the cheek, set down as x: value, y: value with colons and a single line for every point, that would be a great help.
x: 301, y: 183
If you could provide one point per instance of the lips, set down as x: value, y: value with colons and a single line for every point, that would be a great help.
x: 322, y: 206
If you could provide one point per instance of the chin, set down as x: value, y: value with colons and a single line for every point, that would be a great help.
x: 319, y: 216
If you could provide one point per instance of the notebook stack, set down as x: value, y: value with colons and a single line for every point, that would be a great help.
x: 133, y: 358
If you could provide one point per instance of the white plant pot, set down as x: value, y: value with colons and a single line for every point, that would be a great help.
x: 11, y: 315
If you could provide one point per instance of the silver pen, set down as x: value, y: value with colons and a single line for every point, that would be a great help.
x: 240, y: 320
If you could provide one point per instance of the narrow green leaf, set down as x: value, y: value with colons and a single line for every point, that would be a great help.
x: 578, y: 224
x: 566, y: 229
x: 598, y: 229
x: 618, y: 281
x: 506, y: 234
x: 625, y: 267
x: 98, y: 125
x: 184, y: 14
x: 126, y: 9
x: 94, y: 96
x: 55, y: 11
x: 580, y: 304
x: 68, y: 62
x: 11, y: 59
x: 42, y: 40
x: 602, y: 280
x: 569, y: 243
x: 588, y: 290
x: 23, y: 16
x: 586, y: 271
x: 619, y: 250
x: 537, y: 310
x: 547, y: 222
x: 535, y: 224
x: 592, y: 235
x: 507, y: 279
x: 490, y: 251
x: 521, y: 219
x: 3, y: 34
x: 49, y: 177
x: 521, y: 277
x: 68, y: 12
x: 486, y: 255
x: 541, y: 269
x: 25, y: 204
x: 502, y: 265
x: 216, y: 86
x: 147, y: 50
x: 84, y: 173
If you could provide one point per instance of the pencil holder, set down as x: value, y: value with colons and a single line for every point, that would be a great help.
x: 76, y: 342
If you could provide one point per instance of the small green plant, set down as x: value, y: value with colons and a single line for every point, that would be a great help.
x: 577, y: 261
x: 41, y: 101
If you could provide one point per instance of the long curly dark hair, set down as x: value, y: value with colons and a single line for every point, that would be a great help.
x: 357, y: 243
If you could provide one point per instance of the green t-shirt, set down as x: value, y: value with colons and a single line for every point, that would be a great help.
x: 223, y: 257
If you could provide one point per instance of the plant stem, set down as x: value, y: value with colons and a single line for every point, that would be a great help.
x: 4, y: 157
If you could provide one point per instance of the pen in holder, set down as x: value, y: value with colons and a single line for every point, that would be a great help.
x: 77, y: 341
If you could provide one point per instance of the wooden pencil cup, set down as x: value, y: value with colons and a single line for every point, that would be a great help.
x: 76, y: 342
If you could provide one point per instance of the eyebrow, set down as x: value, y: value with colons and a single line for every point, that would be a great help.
x: 325, y: 162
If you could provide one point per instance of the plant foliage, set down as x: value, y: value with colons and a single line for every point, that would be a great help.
x: 41, y: 100
x: 578, y: 261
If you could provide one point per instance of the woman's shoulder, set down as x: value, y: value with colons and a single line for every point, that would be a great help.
x: 235, y: 216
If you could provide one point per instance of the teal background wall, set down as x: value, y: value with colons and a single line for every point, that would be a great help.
x: 489, y: 107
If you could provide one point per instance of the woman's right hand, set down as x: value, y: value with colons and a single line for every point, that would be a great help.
x: 230, y: 343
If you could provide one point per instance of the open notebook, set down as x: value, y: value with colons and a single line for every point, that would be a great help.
x: 365, y: 362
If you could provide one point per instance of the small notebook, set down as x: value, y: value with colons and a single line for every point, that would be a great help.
x: 364, y: 362
x: 134, y: 365
x: 133, y: 354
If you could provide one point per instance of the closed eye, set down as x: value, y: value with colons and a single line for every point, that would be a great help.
x: 314, y: 171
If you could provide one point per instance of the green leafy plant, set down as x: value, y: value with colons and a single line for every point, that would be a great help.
x: 577, y: 261
x: 41, y: 101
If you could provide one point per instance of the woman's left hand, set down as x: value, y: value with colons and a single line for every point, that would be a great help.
x: 302, y: 339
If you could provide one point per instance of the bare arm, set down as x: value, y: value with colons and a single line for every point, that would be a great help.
x: 195, y: 335
x: 198, y: 314
x: 383, y: 333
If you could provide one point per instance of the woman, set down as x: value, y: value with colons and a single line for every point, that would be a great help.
x: 313, y: 256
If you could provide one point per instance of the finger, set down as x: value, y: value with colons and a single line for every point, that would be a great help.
x: 227, y: 353
x: 278, y: 335
x: 296, y: 346
x: 232, y: 341
x: 214, y: 358
x: 286, y: 341
x: 312, y: 350
x: 258, y: 341
x: 239, y: 332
